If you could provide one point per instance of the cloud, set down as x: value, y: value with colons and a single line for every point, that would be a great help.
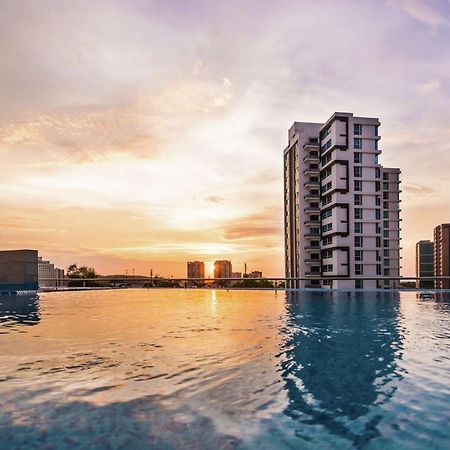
x: 262, y: 225
x: 430, y: 86
x: 214, y: 199
x: 418, y: 190
x: 425, y: 11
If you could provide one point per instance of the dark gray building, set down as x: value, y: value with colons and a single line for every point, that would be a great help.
x: 18, y: 270
x: 424, y: 264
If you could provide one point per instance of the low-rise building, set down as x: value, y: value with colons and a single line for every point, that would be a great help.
x: 49, y: 275
x: 18, y: 270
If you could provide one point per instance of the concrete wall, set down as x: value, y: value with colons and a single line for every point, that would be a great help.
x: 18, y: 270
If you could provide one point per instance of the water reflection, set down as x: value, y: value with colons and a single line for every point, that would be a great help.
x: 23, y: 310
x: 340, y: 360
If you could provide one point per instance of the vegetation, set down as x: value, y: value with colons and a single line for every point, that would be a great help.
x: 254, y: 283
x: 79, y: 273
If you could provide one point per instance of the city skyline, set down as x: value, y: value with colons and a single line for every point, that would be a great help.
x: 140, y: 149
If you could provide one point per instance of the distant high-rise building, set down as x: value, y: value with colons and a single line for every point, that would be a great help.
x: 196, y: 269
x: 222, y: 269
x: 341, y: 206
x: 442, y: 255
x: 236, y: 275
x: 424, y: 264
x: 255, y: 274
x: 49, y: 275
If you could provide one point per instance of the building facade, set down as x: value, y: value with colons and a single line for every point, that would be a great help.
x: 424, y: 264
x: 18, y: 270
x: 49, y: 275
x: 255, y: 274
x: 223, y: 269
x: 342, y: 215
x: 442, y: 255
x: 196, y: 269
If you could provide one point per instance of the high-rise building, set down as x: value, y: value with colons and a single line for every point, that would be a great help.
x: 424, y: 264
x: 341, y: 206
x: 196, y: 269
x: 442, y: 255
x: 222, y: 269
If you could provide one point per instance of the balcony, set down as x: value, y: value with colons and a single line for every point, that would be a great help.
x: 312, y: 274
x: 312, y: 236
x: 312, y: 261
x: 311, y: 158
x: 312, y: 223
x: 310, y: 249
x: 312, y: 197
x: 311, y: 171
x: 311, y: 184
x: 311, y: 210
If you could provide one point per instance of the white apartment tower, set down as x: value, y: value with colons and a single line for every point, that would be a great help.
x: 341, y: 206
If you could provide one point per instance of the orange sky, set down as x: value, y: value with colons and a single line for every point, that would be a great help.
x: 145, y: 134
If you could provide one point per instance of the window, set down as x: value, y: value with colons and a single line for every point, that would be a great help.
x: 357, y: 143
x: 314, y: 218
x: 386, y: 176
x: 385, y: 233
x: 377, y: 229
x: 358, y: 241
x: 327, y: 240
x: 377, y: 200
x: 315, y: 269
x: 375, y: 159
x: 377, y: 186
x: 385, y: 186
x: 328, y: 268
x: 358, y: 213
x: 385, y: 205
x: 357, y: 172
x: 326, y: 200
x: 376, y: 145
x: 326, y: 173
x: 314, y: 205
x: 359, y: 284
x: 357, y: 129
x: 358, y: 185
x: 326, y: 187
x: 315, y: 256
x: 385, y: 214
x: 386, y: 263
x: 385, y: 195
x: 358, y: 227
x: 357, y: 157
x: 358, y: 269
x: 314, y: 231
x: 386, y: 253
x: 378, y: 269
x: 327, y: 254
x: 358, y: 199
x: 326, y: 146
x: 378, y: 257
x: 326, y: 159
x: 377, y: 172
x: 377, y: 214
x: 327, y: 227
x: 385, y: 243
x: 386, y: 224
x: 386, y: 272
x: 326, y: 213
x: 358, y: 255
x: 378, y: 242
x: 314, y: 243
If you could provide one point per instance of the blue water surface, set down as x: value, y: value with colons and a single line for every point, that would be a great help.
x: 207, y: 369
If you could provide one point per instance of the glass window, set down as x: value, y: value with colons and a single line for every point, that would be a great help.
x: 358, y: 213
x: 358, y: 185
x: 358, y: 199
x: 357, y: 157
x: 358, y: 269
x: 357, y: 172
x: 358, y: 255
x: 358, y: 241
x: 358, y: 227
x: 357, y: 129
x: 357, y: 143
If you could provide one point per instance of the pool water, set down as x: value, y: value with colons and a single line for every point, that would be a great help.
x: 206, y: 369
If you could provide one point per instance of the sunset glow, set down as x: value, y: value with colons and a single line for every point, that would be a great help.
x: 124, y: 144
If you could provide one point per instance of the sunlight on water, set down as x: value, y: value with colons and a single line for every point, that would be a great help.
x: 204, y: 369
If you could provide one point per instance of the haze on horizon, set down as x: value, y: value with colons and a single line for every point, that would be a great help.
x: 143, y: 134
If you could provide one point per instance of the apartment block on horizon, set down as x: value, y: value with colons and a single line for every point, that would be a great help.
x: 424, y: 264
x: 196, y: 269
x: 223, y: 269
x: 49, y: 275
x: 341, y: 206
x: 442, y: 255
x: 255, y: 274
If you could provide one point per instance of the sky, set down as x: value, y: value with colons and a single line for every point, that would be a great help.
x: 143, y: 134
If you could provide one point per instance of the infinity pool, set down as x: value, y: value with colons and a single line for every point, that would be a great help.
x: 205, y: 369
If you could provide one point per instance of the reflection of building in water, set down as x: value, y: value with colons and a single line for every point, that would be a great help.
x: 19, y: 310
x: 49, y: 275
x: 340, y: 359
